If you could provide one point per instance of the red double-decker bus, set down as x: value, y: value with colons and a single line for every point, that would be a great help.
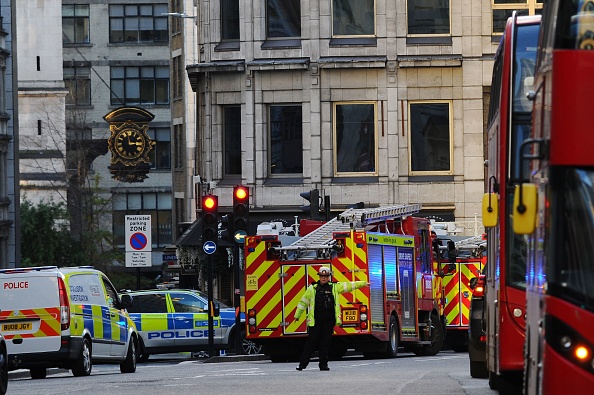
x: 556, y: 207
x: 509, y: 123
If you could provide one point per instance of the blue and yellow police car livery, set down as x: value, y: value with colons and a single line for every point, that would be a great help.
x: 173, y: 320
x: 65, y: 317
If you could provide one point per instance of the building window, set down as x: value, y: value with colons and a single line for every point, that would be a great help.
x: 430, y: 132
x: 75, y: 23
x: 502, y: 10
x: 355, y: 143
x: 157, y: 205
x: 78, y: 83
x: 353, y: 17
x: 283, y: 18
x: 286, y: 139
x: 140, y: 85
x: 178, y: 140
x: 177, y: 23
x: 177, y: 68
x: 428, y: 17
x: 232, y: 142
x: 160, y: 155
x: 229, y: 20
x: 138, y: 23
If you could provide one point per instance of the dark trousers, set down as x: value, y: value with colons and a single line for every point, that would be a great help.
x: 320, y: 336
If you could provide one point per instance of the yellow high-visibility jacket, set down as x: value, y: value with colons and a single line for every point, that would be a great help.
x: 309, y: 299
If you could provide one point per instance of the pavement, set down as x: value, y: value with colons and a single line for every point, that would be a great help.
x: 24, y: 373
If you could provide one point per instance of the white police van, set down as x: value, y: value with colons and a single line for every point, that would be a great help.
x: 65, y: 317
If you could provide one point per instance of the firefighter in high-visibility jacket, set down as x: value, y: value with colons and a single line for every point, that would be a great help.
x: 324, y: 313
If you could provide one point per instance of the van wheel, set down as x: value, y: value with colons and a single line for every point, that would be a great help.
x: 83, y: 364
x: 38, y: 373
x: 129, y: 364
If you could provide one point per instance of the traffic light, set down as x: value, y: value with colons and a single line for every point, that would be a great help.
x: 241, y: 208
x: 313, y: 208
x: 227, y: 232
x: 210, y: 218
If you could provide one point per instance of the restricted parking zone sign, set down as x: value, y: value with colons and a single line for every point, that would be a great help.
x: 138, y: 240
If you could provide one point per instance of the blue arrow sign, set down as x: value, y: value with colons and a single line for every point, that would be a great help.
x: 209, y: 247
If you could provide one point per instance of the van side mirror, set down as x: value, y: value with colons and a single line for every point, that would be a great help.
x: 524, y: 210
x: 216, y: 311
x: 126, y: 301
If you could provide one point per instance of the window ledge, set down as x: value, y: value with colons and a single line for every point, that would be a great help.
x: 227, y: 46
x: 278, y: 64
x: 354, y: 41
x: 353, y: 62
x: 355, y: 180
x: 429, y: 40
x: 284, y: 181
x: 73, y: 45
x: 431, y: 178
x: 430, y: 61
x: 282, y: 43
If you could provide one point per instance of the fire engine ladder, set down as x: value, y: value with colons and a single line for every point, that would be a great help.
x: 321, y: 241
x: 473, y: 244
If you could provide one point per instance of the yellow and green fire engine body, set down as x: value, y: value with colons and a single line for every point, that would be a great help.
x: 394, y: 310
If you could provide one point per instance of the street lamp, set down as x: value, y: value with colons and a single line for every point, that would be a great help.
x: 186, y: 16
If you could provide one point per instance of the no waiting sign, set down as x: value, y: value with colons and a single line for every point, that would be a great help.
x: 138, y: 233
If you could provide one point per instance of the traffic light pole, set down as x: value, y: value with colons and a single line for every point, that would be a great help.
x: 210, y: 280
x: 237, y: 299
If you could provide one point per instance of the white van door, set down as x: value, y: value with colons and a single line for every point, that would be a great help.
x: 30, y: 311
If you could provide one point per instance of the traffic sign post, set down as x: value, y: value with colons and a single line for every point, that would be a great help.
x: 138, y: 241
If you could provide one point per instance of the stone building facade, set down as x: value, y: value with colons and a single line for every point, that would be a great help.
x: 368, y: 101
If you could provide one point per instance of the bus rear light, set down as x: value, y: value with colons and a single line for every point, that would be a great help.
x: 582, y: 353
x: 569, y: 343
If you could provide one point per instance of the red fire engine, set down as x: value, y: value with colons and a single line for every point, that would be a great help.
x: 385, y: 246
x: 468, y: 258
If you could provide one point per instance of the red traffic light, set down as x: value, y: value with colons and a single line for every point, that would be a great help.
x: 209, y: 202
x: 240, y: 193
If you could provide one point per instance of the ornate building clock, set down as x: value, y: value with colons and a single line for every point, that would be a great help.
x: 129, y: 143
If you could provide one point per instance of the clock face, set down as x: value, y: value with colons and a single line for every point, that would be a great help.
x: 129, y: 143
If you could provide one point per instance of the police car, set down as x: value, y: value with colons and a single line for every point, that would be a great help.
x: 176, y: 320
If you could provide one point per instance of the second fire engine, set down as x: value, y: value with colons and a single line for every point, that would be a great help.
x: 386, y: 246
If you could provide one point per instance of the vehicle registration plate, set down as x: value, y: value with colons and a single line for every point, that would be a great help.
x: 350, y: 315
x: 19, y: 326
